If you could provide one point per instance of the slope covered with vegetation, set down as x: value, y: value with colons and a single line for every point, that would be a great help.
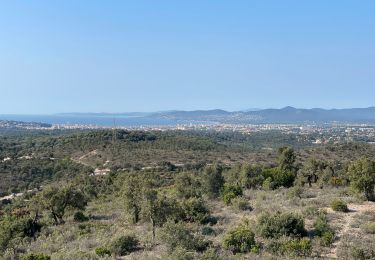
x: 185, y: 195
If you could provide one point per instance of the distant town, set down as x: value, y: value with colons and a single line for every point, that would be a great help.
x: 315, y: 133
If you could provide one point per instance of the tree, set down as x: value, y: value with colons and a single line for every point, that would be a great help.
x: 156, y: 209
x: 58, y: 200
x: 187, y: 186
x: 287, y: 159
x: 213, y: 180
x: 251, y: 176
x: 362, y: 176
x: 310, y: 172
x: 132, y: 193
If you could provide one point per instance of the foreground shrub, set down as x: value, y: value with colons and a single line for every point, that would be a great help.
x: 179, y: 235
x: 291, y: 247
x: 125, y: 245
x: 339, y: 205
x: 277, y: 225
x: 323, y: 230
x: 240, y: 240
x: 80, y: 217
x: 102, y: 251
x: 35, y: 256
x: 230, y: 192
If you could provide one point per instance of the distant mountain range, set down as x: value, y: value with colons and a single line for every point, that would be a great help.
x: 283, y: 115
x: 286, y: 115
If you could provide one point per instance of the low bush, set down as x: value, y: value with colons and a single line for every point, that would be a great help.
x: 310, y: 211
x: 35, y: 256
x: 102, y: 251
x: 230, y: 192
x: 363, y: 253
x: 339, y: 205
x: 240, y: 239
x: 179, y: 235
x: 210, y: 254
x: 194, y: 210
x: 241, y: 203
x: 277, y: 225
x: 291, y: 247
x: 125, y: 245
x: 180, y: 253
x: 208, y: 231
x: 295, y: 192
x: 323, y: 230
x: 80, y: 217
x: 369, y: 228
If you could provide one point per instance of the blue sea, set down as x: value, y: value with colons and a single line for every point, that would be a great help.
x: 99, y: 120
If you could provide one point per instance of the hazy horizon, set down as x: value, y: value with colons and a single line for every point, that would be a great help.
x: 172, y: 110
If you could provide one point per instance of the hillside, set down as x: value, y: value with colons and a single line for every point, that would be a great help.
x: 183, y: 195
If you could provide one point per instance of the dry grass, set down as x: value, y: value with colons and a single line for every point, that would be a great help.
x: 109, y: 220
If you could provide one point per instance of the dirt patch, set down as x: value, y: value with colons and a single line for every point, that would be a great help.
x: 344, y: 223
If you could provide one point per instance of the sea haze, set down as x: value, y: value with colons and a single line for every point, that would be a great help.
x: 94, y: 119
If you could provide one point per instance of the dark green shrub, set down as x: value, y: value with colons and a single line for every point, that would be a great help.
x: 362, y: 176
x: 35, y: 256
x: 187, y: 185
x: 179, y: 235
x: 240, y: 240
x: 230, y: 192
x: 251, y: 176
x: 194, y: 210
x: 102, y: 251
x: 277, y: 225
x: 277, y: 177
x: 339, y: 205
x: 211, y: 220
x: 80, y: 217
x: 208, y: 231
x: 125, y: 245
x: 213, y: 180
x: 323, y: 230
x: 12, y: 229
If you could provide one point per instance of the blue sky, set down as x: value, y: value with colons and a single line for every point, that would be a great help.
x: 117, y: 56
